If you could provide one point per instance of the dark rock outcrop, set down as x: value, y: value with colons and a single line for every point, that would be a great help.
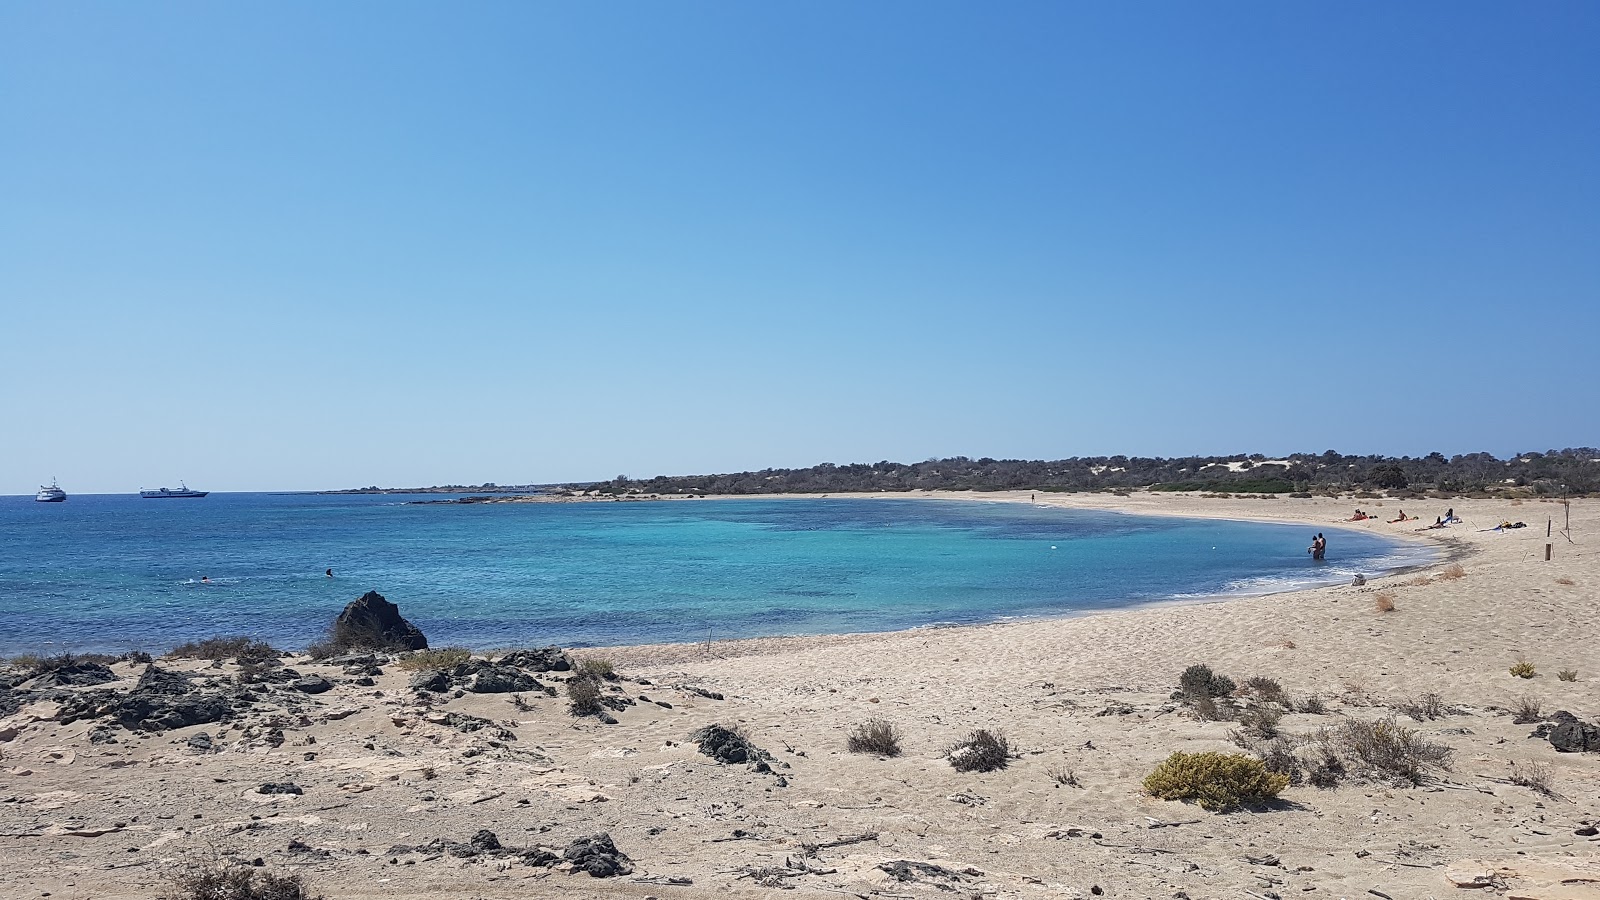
x: 279, y: 787
x: 1570, y: 735
x: 502, y: 680
x: 371, y: 622
x: 312, y: 684
x: 74, y: 675
x: 161, y: 701
x: 598, y: 856
x: 727, y: 746
x: 544, y: 659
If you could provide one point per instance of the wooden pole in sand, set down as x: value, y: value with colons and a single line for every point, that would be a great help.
x: 1547, y: 551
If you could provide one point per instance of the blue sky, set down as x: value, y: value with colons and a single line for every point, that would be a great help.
x: 297, y: 245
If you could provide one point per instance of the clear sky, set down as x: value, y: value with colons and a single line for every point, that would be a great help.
x: 315, y: 245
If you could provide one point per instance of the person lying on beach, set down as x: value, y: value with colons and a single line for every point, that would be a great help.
x: 1437, y: 523
x: 1359, y: 516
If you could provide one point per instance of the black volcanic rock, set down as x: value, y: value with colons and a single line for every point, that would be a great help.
x: 372, y: 622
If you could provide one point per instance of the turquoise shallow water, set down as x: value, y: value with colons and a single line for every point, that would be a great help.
x: 116, y: 572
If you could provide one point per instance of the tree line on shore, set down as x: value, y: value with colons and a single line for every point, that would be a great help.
x: 1554, y: 473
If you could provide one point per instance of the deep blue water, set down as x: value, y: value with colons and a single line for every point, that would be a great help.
x: 117, y: 572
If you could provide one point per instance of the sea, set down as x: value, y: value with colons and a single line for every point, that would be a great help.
x: 110, y: 573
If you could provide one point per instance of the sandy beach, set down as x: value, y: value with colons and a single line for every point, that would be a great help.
x: 392, y: 784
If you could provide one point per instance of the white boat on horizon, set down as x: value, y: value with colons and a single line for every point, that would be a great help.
x: 51, y: 494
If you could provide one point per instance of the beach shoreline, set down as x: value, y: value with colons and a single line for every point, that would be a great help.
x: 395, y: 780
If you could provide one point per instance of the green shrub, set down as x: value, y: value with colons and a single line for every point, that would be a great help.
x: 1523, y: 669
x: 436, y: 660
x: 874, y: 736
x: 1216, y: 781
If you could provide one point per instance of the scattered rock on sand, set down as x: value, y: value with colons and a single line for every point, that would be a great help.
x: 598, y: 856
x: 313, y: 684
x: 727, y: 746
x: 1569, y: 735
x: 75, y: 675
x: 279, y: 787
x: 544, y: 659
x: 502, y: 680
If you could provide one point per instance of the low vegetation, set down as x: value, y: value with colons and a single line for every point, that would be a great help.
x: 1523, y: 669
x: 221, y: 882
x: 434, y: 660
x: 1535, y: 776
x: 1452, y: 572
x: 1389, y: 750
x: 874, y: 736
x: 1063, y: 776
x: 1199, y: 681
x: 217, y: 649
x: 595, y: 667
x: 1424, y: 708
x: 1215, y: 781
x: 1567, y: 675
x: 1527, y: 711
x: 1265, y: 688
x: 980, y: 751
x: 1383, y: 602
x: 583, y: 696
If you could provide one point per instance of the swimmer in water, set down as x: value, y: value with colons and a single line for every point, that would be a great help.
x: 205, y: 579
x: 330, y: 573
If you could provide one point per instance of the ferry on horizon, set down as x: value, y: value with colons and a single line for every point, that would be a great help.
x: 169, y: 493
x: 51, y: 494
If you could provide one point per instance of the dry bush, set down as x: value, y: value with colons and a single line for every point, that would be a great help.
x: 1312, y: 705
x: 874, y: 736
x: 1383, y: 602
x: 980, y: 751
x: 1267, y: 689
x: 520, y: 702
x: 1452, y: 572
x: 1418, y: 581
x: 1280, y: 759
x: 1064, y: 776
x: 1261, y: 721
x: 1427, y: 706
x: 221, y: 882
x: 1391, y: 749
x: 1199, y: 681
x: 217, y: 649
x: 1533, y: 775
x: 1527, y: 711
x: 434, y: 660
x: 1566, y: 581
x: 584, y: 696
x: 596, y: 667
x: 1286, y: 644
x: 1523, y: 669
x: 1207, y: 709
x: 1216, y: 781
x: 1568, y: 674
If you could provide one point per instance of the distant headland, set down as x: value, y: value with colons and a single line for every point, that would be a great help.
x: 1572, y: 472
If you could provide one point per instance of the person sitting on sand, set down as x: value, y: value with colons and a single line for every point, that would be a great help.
x: 1403, y: 517
x: 1359, y: 516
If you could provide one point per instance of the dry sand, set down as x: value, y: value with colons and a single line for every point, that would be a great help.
x: 1089, y: 695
